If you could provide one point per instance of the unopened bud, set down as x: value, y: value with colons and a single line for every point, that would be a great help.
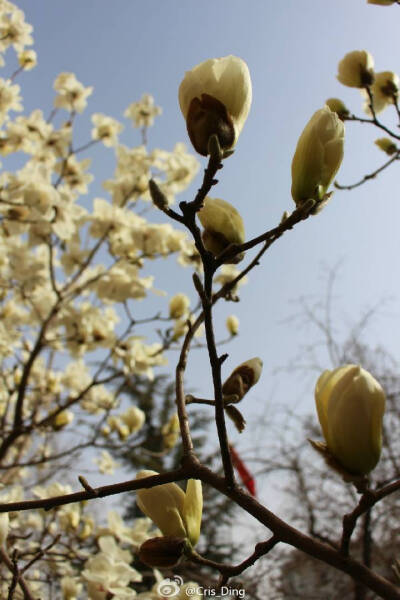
x: 215, y: 98
x: 223, y: 226
x: 387, y: 145
x: 232, y: 325
x: 242, y: 379
x: 356, y: 69
x: 337, y: 106
x: 64, y: 418
x: 170, y: 432
x: 350, y: 405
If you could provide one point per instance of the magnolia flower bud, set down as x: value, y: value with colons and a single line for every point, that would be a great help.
x: 162, y: 551
x: 215, y: 99
x: 387, y: 145
x: 384, y: 90
x: 178, y: 306
x: 4, y: 526
x: 232, y: 325
x: 350, y: 405
x: 318, y: 156
x: 223, y: 226
x: 176, y: 513
x: 65, y: 417
x: 356, y: 69
x: 170, y: 432
x: 382, y: 2
x: 133, y: 418
x: 337, y: 106
x: 242, y: 379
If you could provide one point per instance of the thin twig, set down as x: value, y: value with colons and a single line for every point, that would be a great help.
x: 369, y: 176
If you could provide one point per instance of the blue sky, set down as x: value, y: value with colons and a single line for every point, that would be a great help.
x: 292, y: 48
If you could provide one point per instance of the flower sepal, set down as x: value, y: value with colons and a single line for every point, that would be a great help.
x: 360, y: 481
x: 163, y: 552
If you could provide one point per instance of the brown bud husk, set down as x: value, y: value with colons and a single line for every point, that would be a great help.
x: 236, y: 416
x: 162, y: 551
x: 206, y: 117
x: 360, y: 481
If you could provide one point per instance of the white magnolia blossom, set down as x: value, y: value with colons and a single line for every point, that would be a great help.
x: 27, y: 59
x: 106, y: 463
x: 10, y: 99
x: 106, y: 129
x: 109, y: 570
x: 13, y: 28
x: 72, y: 95
x: 143, y: 113
x: 384, y: 90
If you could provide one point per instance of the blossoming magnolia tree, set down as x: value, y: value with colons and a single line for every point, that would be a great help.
x: 69, y: 281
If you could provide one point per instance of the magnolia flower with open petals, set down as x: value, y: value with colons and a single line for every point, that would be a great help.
x: 27, y: 59
x: 215, y: 98
x: 318, y: 156
x: 384, y: 90
x: 175, y: 512
x: 143, y: 113
x: 356, y: 69
x: 350, y: 405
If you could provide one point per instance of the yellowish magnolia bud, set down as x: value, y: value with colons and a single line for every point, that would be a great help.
x: 337, y: 106
x: 242, y: 379
x: 4, y: 527
x: 223, y: 226
x: 27, y: 59
x: 178, y: 306
x: 170, y: 432
x: 387, y: 145
x: 105, y: 431
x: 64, y: 418
x: 176, y: 513
x: 382, y: 2
x: 356, y: 69
x: 350, y: 405
x: 232, y: 325
x: 117, y: 425
x: 87, y: 527
x: 162, y: 551
x: 318, y: 156
x: 133, y: 418
x: 215, y: 98
x: 384, y: 90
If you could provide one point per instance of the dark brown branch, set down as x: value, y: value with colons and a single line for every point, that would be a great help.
x: 228, y: 571
x: 367, y: 501
x: 369, y: 176
x: 282, y: 531
x: 17, y: 579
